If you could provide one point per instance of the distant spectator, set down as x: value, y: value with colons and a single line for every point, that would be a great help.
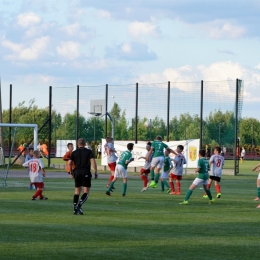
x: 39, y: 147
x: 88, y: 146
x: 99, y: 151
x: 45, y: 150
x: 243, y: 154
x: 22, y: 149
x: 224, y: 150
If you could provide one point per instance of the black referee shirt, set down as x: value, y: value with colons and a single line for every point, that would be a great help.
x: 81, y: 157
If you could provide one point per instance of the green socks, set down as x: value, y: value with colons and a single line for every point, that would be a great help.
x: 258, y: 192
x: 162, y: 184
x: 152, y: 175
x: 124, y: 188
x: 188, y: 194
x: 157, y: 177
x: 209, y: 194
x: 166, y: 184
x: 111, y: 186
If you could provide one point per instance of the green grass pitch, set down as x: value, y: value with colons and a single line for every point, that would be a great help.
x: 150, y: 225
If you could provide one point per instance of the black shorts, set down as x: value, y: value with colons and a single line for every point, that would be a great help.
x: 215, y: 178
x: 82, y: 178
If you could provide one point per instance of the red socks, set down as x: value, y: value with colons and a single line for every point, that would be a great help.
x: 209, y: 184
x: 172, y: 186
x: 111, y: 178
x: 217, y: 188
x: 143, y: 177
x: 38, y: 193
x: 178, y: 186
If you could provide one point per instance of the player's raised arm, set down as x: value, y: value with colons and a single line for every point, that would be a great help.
x: 171, y: 151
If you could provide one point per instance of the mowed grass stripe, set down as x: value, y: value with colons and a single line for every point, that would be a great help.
x: 146, y: 225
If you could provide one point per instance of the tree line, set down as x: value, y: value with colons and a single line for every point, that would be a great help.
x: 218, y: 127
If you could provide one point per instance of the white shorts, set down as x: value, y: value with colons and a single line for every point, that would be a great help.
x: 120, y: 172
x: 158, y: 162
x: 258, y: 176
x: 199, y: 181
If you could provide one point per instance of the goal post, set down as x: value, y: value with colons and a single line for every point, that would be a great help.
x: 10, y: 175
x: 35, y: 131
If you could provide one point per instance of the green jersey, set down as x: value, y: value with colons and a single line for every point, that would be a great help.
x: 167, y: 164
x: 158, y: 147
x: 203, y: 164
x: 125, y: 157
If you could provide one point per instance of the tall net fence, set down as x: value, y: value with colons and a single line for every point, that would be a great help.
x: 175, y: 110
x: 152, y: 110
x: 219, y: 117
x: 185, y: 110
x: 143, y: 111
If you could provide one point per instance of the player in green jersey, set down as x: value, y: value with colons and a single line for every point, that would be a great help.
x: 166, y: 169
x: 158, y: 159
x: 202, y: 178
x: 121, y: 169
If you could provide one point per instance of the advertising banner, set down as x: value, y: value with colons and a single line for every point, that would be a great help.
x: 191, y: 150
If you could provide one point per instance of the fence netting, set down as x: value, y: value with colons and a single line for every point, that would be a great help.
x: 152, y: 103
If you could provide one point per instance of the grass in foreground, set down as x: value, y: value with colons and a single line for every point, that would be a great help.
x: 150, y: 225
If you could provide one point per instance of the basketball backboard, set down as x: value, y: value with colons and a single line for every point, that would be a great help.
x: 98, y: 106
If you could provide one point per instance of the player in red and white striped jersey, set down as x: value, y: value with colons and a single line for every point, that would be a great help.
x: 36, y: 173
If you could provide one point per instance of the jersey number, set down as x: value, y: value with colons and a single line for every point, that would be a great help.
x: 33, y: 167
x: 218, y: 163
x: 181, y: 162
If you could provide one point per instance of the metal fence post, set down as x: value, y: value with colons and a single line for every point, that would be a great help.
x: 50, y: 121
x: 201, y: 114
x: 236, y: 141
x: 10, y: 117
x: 77, y: 115
x: 168, y: 111
x: 106, y: 110
x: 136, y: 114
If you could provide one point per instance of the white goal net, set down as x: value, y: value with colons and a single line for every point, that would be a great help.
x: 12, y: 155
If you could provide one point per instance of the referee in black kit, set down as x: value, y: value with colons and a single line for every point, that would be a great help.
x: 83, y: 158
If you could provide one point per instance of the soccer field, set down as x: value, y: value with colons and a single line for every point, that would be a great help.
x: 150, y: 225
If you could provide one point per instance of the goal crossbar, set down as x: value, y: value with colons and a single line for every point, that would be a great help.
x: 35, y: 131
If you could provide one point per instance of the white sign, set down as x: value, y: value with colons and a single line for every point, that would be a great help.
x: 62, y: 147
x: 191, y: 150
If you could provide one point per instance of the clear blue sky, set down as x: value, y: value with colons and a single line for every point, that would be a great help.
x: 70, y: 42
